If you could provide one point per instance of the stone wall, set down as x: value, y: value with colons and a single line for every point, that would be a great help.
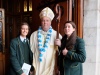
x: 91, y: 35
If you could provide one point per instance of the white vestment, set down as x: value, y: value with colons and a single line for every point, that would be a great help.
x: 46, y: 67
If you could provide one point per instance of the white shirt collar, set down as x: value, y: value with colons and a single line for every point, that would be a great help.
x: 22, y: 39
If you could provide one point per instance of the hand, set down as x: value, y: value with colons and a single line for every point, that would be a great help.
x: 64, y: 52
x: 57, y: 42
x: 57, y: 72
x: 23, y: 74
x: 31, y: 72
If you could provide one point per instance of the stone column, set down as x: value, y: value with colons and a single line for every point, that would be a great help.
x: 98, y: 41
x: 91, y: 35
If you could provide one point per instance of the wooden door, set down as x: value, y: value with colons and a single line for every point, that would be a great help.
x: 2, y: 42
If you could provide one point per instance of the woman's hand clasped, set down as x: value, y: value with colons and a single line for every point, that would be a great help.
x: 64, y: 52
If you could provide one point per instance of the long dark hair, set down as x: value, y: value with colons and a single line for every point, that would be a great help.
x: 72, y: 39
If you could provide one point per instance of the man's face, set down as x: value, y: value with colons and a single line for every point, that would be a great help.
x: 46, y: 23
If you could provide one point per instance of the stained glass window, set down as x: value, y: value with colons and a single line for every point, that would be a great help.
x: 25, y: 5
x: 30, y: 5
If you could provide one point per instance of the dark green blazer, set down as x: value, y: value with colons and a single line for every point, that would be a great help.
x: 16, y: 57
x: 72, y: 62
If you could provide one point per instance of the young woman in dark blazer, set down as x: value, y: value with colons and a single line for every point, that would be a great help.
x: 20, y: 52
x: 72, y: 51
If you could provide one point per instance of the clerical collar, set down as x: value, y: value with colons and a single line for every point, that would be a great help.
x: 43, y: 32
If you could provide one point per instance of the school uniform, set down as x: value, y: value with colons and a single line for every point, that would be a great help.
x: 20, y: 53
